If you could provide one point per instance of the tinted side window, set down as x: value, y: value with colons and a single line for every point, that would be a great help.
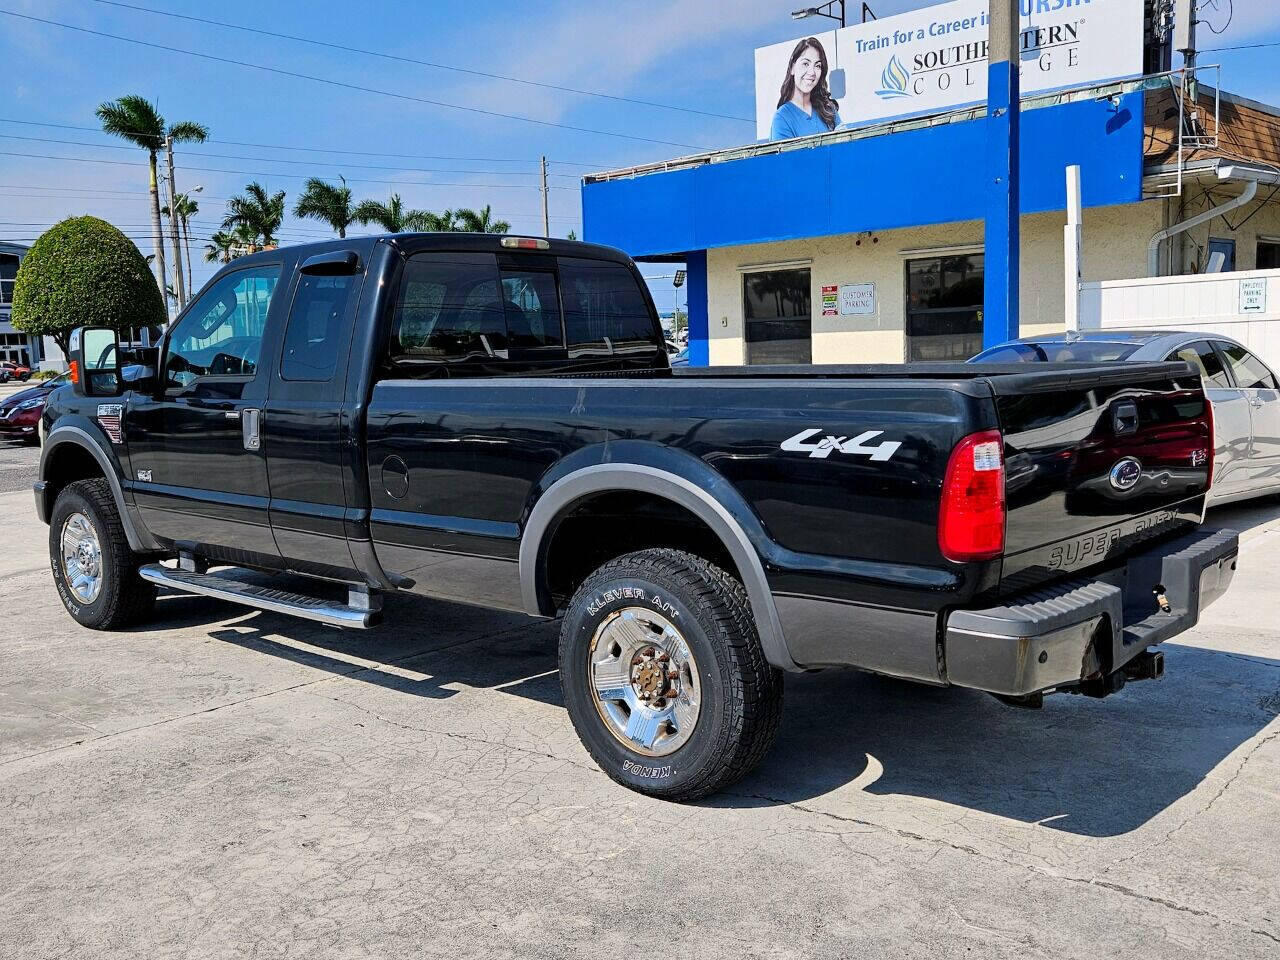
x: 221, y: 334
x: 604, y: 309
x: 315, y: 327
x: 532, y: 309
x: 449, y: 309
x: 1205, y: 358
x: 1249, y: 372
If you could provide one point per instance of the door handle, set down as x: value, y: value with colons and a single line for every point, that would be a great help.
x: 251, y: 428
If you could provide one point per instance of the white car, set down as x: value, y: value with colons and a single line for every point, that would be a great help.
x: 1243, y: 391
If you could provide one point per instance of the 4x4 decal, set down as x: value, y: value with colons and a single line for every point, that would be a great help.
x: 855, y: 446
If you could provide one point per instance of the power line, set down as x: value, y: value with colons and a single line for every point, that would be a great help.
x: 275, y: 173
x: 342, y: 84
x: 296, y: 163
x: 322, y: 163
x: 357, y: 153
x: 1243, y: 46
x: 424, y: 63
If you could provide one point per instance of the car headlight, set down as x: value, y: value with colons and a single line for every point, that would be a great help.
x: 31, y: 404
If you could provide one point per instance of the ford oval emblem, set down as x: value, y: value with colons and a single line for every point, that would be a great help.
x: 1126, y: 474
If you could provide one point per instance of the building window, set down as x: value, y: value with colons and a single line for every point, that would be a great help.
x: 1268, y: 254
x: 8, y: 271
x: 775, y: 306
x: 1221, y: 256
x: 944, y: 307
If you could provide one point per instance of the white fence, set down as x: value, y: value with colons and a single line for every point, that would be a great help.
x: 1244, y: 305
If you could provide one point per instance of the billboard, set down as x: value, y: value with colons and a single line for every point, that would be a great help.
x: 935, y: 59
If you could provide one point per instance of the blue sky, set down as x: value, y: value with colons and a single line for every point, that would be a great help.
x: 693, y: 54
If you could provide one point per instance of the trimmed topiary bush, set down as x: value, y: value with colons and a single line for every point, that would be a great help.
x: 84, y: 272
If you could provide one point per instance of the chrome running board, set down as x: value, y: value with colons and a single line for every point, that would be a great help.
x: 363, y: 610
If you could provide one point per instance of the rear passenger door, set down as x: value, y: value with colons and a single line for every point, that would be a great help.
x: 1232, y: 423
x: 1258, y: 386
x: 304, y: 430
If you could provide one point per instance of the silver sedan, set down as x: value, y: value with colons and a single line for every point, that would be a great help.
x: 1243, y: 391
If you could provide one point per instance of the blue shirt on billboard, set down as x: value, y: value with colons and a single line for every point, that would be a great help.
x: 790, y: 121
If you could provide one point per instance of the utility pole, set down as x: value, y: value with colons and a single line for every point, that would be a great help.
x: 1002, y: 239
x: 546, y: 220
x: 179, y: 282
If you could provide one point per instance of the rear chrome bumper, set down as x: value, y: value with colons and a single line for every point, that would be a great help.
x: 1065, y: 634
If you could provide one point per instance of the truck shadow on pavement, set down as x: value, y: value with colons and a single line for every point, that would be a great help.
x: 1088, y: 767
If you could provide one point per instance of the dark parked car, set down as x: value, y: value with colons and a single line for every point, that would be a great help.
x: 1243, y: 390
x: 494, y: 421
x: 20, y: 412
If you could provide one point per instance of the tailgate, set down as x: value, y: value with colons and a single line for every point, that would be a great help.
x: 1096, y: 464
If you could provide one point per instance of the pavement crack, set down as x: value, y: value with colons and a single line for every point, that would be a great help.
x: 1195, y: 815
x: 330, y: 676
x: 1036, y: 869
x: 467, y: 738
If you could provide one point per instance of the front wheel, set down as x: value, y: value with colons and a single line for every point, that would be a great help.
x: 664, y: 676
x: 95, y: 572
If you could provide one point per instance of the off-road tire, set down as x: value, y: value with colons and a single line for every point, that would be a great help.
x: 741, y: 694
x: 124, y: 598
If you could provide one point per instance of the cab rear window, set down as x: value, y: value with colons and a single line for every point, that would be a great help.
x: 605, y: 311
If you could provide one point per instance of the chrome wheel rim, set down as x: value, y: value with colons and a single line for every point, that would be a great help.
x: 644, y: 681
x: 81, y: 558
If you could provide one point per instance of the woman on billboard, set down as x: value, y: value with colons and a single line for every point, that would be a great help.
x: 805, y: 106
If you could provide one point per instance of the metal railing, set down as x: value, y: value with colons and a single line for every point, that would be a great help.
x: 1195, y: 129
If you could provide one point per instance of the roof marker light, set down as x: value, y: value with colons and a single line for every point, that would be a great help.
x: 525, y: 243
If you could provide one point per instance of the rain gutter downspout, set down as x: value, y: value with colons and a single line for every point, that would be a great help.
x: 1252, y: 177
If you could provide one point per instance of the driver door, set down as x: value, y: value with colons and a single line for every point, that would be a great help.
x: 199, y: 473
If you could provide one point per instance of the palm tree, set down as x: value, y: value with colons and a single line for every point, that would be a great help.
x: 186, y: 208
x: 324, y: 201
x: 187, y: 131
x: 446, y: 222
x: 258, y: 211
x: 392, y: 216
x: 136, y: 119
x: 245, y: 240
x: 482, y: 222
x: 218, y: 249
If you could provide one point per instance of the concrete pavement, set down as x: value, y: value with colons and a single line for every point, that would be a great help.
x: 226, y: 783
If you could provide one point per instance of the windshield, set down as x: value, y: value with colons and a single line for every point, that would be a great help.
x: 1057, y: 351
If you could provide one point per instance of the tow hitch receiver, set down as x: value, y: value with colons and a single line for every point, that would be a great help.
x: 1148, y: 665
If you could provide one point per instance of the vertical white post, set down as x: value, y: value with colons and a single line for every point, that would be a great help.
x: 1072, y: 243
x: 546, y: 220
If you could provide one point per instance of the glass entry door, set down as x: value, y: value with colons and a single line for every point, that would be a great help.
x: 776, y: 310
x: 944, y: 307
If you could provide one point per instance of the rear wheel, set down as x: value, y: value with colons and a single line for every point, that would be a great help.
x: 664, y: 677
x: 93, y: 567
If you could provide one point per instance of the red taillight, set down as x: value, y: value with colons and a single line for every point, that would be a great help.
x: 972, y: 514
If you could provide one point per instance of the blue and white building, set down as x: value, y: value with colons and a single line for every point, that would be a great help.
x: 865, y: 245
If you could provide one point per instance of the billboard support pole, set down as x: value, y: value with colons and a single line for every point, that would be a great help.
x: 1072, y: 244
x: 1002, y: 241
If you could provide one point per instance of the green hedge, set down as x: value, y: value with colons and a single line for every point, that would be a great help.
x: 84, y: 272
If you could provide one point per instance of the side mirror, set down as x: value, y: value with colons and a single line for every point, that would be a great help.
x: 95, y: 361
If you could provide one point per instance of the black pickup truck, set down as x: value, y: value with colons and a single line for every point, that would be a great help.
x: 493, y: 420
